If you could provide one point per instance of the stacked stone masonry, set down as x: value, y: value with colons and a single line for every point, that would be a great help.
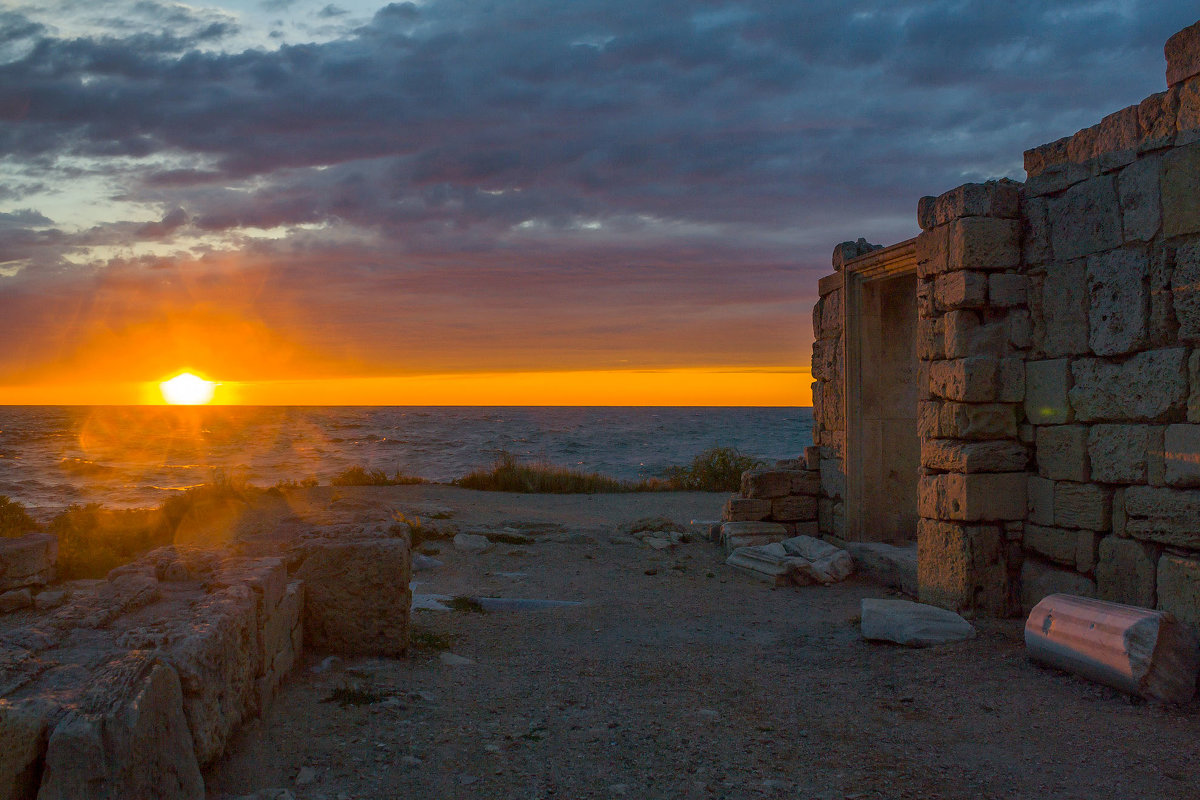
x: 1058, y: 339
x: 786, y: 495
x: 129, y: 686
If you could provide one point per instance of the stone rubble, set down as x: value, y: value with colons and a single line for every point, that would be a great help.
x: 912, y: 624
x: 799, y: 561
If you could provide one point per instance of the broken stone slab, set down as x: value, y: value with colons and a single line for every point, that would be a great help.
x: 912, y: 624
x: 472, y: 543
x: 767, y: 563
x: 893, y: 566
x: 815, y: 560
x: 27, y: 561
x: 652, y: 524
x: 15, y: 600
x: 1136, y: 650
x: 751, y: 534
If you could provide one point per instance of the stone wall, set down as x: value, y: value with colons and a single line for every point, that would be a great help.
x: 1059, y: 338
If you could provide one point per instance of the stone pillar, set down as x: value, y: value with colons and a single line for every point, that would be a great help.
x: 973, y: 332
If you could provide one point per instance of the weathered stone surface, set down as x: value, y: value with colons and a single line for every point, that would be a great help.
x: 1035, y: 243
x: 128, y: 738
x: 1163, y: 515
x: 1046, y: 386
x: 963, y: 335
x: 23, y: 733
x: 962, y: 567
x: 1118, y: 316
x: 1183, y: 55
x: 471, y: 543
x: 812, y: 461
x: 15, y: 600
x: 1126, y: 570
x: 1179, y: 587
x: 767, y: 563
x: 1141, y: 206
x: 1059, y: 306
x: 1180, y: 200
x: 1156, y: 118
x: 984, y: 243
x: 1187, y: 114
x: 816, y: 561
x: 833, y: 478
x: 1119, y: 453
x: 1135, y: 650
x: 27, y: 561
x: 960, y: 289
x: 1185, y: 289
x: 745, y: 509
x: 1040, y: 580
x: 1039, y: 159
x: 1007, y: 289
x: 797, y: 508
x: 973, y: 497
x: 1057, y: 544
x: 766, y: 484
x: 1041, y: 500
x: 912, y: 624
x: 932, y: 251
x: 1086, y: 218
x: 991, y: 199
x: 887, y: 564
x: 848, y: 251
x: 356, y: 596
x: 1181, y: 456
x: 1062, y: 452
x: 1193, y: 403
x: 808, y: 481
x: 971, y: 380
x: 1148, y: 387
x: 1082, y: 505
x: 751, y: 534
x: 831, y: 313
x: 952, y: 455
x: 977, y: 421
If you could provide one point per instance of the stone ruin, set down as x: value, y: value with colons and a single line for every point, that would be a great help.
x: 128, y: 687
x: 1017, y: 389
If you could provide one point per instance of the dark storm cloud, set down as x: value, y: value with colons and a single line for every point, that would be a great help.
x: 579, y: 138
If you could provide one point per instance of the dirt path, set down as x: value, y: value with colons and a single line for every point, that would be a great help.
x: 680, y: 678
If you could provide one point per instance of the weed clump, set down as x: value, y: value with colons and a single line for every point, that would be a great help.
x: 510, y: 474
x: 14, y: 519
x: 466, y: 605
x: 346, y: 696
x: 718, y: 469
x: 361, y: 476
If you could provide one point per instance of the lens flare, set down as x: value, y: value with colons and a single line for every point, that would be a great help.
x: 186, y: 389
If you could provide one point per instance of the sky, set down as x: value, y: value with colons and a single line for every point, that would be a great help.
x: 519, y: 202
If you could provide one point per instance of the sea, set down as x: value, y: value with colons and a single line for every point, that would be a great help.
x: 135, y: 456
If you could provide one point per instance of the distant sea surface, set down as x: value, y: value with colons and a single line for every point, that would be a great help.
x: 131, y: 456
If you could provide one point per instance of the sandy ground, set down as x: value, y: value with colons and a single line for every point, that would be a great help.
x: 681, y: 678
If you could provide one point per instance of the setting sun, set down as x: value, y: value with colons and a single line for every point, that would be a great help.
x: 187, y: 389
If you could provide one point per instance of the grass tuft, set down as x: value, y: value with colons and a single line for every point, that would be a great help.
x: 15, y: 520
x: 509, y: 474
x: 423, y: 639
x: 466, y: 605
x: 346, y: 696
x: 361, y: 476
x: 718, y: 469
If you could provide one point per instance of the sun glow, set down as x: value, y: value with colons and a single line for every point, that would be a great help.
x: 186, y: 389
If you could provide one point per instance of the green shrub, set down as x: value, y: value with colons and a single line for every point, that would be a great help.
x: 718, y: 469
x: 361, y: 476
x: 14, y: 520
x: 92, y: 539
x: 508, y: 474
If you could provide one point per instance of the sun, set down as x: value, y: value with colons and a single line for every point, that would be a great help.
x: 186, y: 389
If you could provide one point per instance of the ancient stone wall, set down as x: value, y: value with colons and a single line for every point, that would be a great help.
x: 1059, y: 339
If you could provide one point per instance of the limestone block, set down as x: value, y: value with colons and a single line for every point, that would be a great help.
x: 356, y: 596
x: 992, y: 199
x: 1056, y: 178
x: 925, y: 214
x: 218, y: 660
x: 27, y: 561
x: 964, y: 335
x: 1059, y: 308
x: 1187, y: 115
x: 952, y: 455
x: 984, y: 243
x: 15, y: 600
x: 808, y: 481
x: 1183, y: 55
x: 1163, y: 515
x: 1082, y: 146
x: 1040, y: 495
x: 831, y: 314
x: 1010, y: 380
x: 1035, y: 241
x: 895, y: 567
x: 1082, y: 505
x: 1062, y: 452
x: 1046, y: 386
x: 1020, y: 329
x: 1117, y: 138
x: 1056, y: 544
x: 912, y: 624
x: 812, y: 459
x: 1185, y: 289
x: 931, y: 339
x: 794, y: 509
x: 1118, y: 319
x: 745, y: 509
x: 1007, y: 289
x: 962, y: 567
x: 751, y: 534
x: 23, y: 732
x: 1135, y: 650
x: 1086, y: 218
x: 1156, y: 118
x: 848, y: 251
x: 1126, y: 570
x: 932, y: 251
x: 1149, y: 387
x: 1119, y: 453
x: 960, y: 289
x: 1141, y: 206
x: 833, y: 478
x: 1180, y: 200
x: 833, y: 409
x: 1181, y: 455
x: 127, y: 739
x: 1086, y: 546
x: 1040, y: 580
x: 977, y: 421
x: 1178, y: 587
x: 766, y: 484
x: 1039, y: 159
x: 972, y: 380
x: 973, y: 497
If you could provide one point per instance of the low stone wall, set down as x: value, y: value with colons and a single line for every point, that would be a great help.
x: 787, y: 494
x: 128, y: 687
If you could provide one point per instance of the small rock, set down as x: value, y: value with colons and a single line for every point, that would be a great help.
x: 411, y: 761
x: 492, y: 748
x: 45, y: 601
x: 658, y: 544
x: 15, y: 600
x: 467, y: 780
x: 471, y: 543
x: 305, y: 776
x: 710, y: 713
x: 423, y: 562
x: 651, y: 572
x: 620, y: 789
x: 455, y: 660
x: 912, y: 624
x: 327, y: 663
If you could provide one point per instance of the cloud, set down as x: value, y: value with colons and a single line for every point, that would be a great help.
x: 557, y: 155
